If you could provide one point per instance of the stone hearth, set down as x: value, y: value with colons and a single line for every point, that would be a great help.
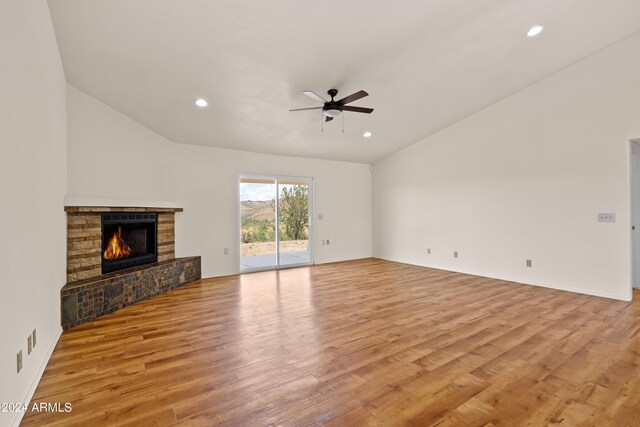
x: 86, y: 300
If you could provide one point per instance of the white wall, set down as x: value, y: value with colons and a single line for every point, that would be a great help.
x: 206, y: 184
x: 204, y: 181
x: 111, y: 155
x: 524, y: 179
x: 33, y: 175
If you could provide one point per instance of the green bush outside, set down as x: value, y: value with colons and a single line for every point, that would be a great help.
x: 294, y: 219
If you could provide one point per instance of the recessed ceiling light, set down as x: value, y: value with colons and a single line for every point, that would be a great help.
x: 367, y: 134
x: 534, y: 31
x: 201, y: 102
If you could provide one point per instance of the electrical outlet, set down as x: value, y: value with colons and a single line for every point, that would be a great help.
x: 606, y: 217
x: 29, y: 344
x: 455, y: 254
x: 19, y: 361
x: 226, y: 251
x: 429, y: 251
x: 529, y: 263
x: 33, y: 334
x: 320, y: 216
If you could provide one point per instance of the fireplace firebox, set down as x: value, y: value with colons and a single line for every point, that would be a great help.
x: 128, y: 240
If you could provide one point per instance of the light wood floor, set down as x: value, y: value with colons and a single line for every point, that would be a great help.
x: 365, y: 342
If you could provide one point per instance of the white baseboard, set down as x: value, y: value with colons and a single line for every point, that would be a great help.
x: 524, y: 281
x: 36, y: 380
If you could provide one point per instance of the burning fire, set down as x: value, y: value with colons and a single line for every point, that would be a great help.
x: 117, y: 248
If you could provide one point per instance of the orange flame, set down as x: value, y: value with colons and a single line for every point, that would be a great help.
x: 117, y: 247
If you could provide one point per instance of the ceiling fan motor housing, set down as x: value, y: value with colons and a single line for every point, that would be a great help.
x: 332, y: 108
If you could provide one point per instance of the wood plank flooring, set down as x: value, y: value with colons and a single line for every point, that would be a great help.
x: 365, y: 342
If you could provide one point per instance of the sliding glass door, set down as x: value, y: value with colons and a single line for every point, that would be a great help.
x: 258, y: 223
x: 293, y: 219
x: 275, y: 222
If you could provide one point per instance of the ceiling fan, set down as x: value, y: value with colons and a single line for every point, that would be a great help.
x: 334, y: 108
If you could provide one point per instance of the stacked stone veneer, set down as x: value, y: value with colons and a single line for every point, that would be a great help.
x: 84, y: 238
x: 88, y: 299
x: 89, y: 294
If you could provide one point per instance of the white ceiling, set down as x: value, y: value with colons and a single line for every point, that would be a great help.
x: 426, y: 64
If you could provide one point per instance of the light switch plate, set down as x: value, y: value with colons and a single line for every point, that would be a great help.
x: 19, y: 360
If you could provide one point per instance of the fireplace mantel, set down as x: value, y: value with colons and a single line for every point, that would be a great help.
x: 103, y: 209
x: 123, y: 203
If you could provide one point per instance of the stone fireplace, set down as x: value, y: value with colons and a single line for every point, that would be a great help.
x: 118, y: 256
x: 91, y: 230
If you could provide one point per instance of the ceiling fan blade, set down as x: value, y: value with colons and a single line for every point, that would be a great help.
x: 328, y: 119
x: 352, y: 97
x: 308, y: 108
x: 357, y: 109
x: 315, y: 96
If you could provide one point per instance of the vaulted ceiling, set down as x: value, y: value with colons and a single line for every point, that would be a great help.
x: 426, y: 64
